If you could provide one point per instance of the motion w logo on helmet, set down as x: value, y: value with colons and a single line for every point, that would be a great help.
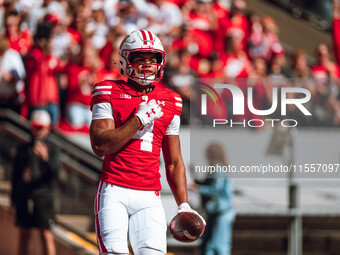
x: 147, y: 37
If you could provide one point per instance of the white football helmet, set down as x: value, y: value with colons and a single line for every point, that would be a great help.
x: 141, y: 41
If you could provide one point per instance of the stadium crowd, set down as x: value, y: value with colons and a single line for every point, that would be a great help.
x: 53, y: 51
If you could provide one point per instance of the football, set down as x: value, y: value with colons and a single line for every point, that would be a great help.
x: 187, y: 227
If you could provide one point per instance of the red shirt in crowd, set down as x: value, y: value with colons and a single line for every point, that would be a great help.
x: 321, y: 72
x: 220, y: 33
x: 239, y: 21
x: 201, y: 33
x: 79, y: 84
x: 236, y: 65
x: 107, y: 74
x: 42, y: 86
x: 75, y: 34
x: 22, y: 43
x: 81, y: 80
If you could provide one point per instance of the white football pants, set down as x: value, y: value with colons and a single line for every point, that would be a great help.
x: 121, y: 212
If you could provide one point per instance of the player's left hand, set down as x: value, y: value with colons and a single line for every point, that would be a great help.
x: 185, y: 207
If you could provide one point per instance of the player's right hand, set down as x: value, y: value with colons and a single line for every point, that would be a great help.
x: 148, y: 112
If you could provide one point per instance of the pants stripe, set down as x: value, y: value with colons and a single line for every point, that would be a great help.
x: 100, y: 243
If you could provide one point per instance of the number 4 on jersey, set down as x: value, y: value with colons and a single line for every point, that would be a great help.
x: 145, y: 134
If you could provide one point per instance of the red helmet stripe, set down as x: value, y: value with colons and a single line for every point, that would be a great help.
x: 144, y: 36
x: 150, y: 35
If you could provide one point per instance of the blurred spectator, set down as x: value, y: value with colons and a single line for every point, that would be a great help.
x: 235, y: 60
x: 114, y: 8
x: 201, y: 24
x: 26, y: 7
x: 35, y: 166
x: 277, y: 68
x: 327, y: 90
x: 223, y: 23
x: 270, y: 30
x: 38, y: 9
x: 81, y: 78
x: 110, y: 8
x: 300, y: 65
x: 61, y: 38
x: 325, y: 68
x: 107, y: 68
x: 180, y: 77
x: 258, y: 44
x: 42, y: 89
x: 217, y: 199
x: 130, y: 17
x: 19, y: 40
x: 163, y: 17
x: 78, y: 23
x: 259, y: 69
x: 240, y: 21
x: 214, y: 67
x: 278, y: 74
x: 97, y: 27
x: 12, y: 74
x: 261, y: 88
x: 336, y: 29
x: 70, y: 23
x: 185, y: 40
x: 302, y: 78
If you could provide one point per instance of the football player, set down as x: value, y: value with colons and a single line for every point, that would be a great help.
x: 131, y: 122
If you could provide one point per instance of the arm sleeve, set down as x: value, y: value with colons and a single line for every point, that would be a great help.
x: 173, y: 128
x: 102, y: 111
x: 101, y: 93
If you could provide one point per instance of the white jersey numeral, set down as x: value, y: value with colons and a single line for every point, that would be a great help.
x: 145, y: 134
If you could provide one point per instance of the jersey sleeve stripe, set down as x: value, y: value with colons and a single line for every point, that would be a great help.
x: 178, y: 104
x: 178, y: 99
x: 102, y: 87
x: 101, y: 93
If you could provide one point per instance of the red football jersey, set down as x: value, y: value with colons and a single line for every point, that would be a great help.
x: 136, y: 164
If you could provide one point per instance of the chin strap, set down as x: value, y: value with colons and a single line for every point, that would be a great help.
x: 141, y: 79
